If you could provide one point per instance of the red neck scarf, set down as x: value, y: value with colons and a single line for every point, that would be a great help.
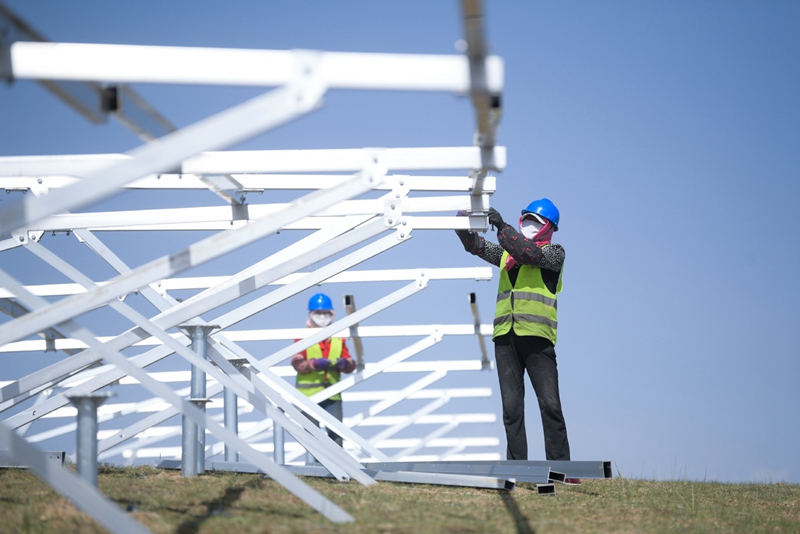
x: 542, y: 238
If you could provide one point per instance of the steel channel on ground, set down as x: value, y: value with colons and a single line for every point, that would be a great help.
x: 521, y: 473
x: 409, y: 477
x: 570, y: 469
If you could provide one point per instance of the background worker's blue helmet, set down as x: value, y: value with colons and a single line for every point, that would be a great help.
x: 320, y: 301
x: 544, y: 208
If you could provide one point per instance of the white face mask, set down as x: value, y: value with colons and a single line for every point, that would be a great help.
x: 321, y: 319
x: 529, y: 227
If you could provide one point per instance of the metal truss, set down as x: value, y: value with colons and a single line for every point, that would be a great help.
x: 350, y: 205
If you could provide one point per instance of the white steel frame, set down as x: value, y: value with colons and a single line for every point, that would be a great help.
x: 190, y: 158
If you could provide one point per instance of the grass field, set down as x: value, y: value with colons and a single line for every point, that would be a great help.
x: 236, y: 503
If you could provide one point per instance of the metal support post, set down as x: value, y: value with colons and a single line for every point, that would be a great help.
x: 278, y: 441
x: 196, y: 453
x: 87, y: 434
x: 231, y: 409
x: 188, y: 447
x: 192, y: 462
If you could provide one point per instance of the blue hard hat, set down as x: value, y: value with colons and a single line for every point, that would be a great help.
x: 320, y: 301
x: 544, y: 208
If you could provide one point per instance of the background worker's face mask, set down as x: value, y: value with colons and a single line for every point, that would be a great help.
x: 529, y: 225
x: 321, y: 319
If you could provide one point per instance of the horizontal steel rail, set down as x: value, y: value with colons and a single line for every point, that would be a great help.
x: 245, y: 67
x: 521, y: 473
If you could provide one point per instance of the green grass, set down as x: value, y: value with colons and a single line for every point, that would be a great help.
x: 237, y: 503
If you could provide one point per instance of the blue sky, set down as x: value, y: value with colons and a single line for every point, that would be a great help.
x: 668, y: 133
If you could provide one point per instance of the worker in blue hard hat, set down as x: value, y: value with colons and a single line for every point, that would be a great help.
x: 525, y: 323
x: 321, y: 365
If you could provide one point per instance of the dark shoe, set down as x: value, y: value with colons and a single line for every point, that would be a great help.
x: 572, y: 481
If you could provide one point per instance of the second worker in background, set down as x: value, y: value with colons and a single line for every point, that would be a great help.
x: 321, y: 365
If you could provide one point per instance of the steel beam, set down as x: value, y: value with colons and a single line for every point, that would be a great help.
x: 360, y: 376
x: 444, y: 479
x: 408, y: 477
x: 258, y: 183
x: 307, y: 494
x: 211, y: 214
x: 8, y: 459
x: 15, y: 309
x: 266, y: 68
x: 193, y: 441
x: 349, y: 160
x: 197, y: 254
x: 224, y: 129
x: 521, y: 473
x: 90, y: 99
x: 324, y: 333
x: 410, y: 419
x: 568, y: 469
x: 226, y: 320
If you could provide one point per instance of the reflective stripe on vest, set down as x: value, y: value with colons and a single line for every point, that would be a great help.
x: 315, y: 381
x: 528, y: 307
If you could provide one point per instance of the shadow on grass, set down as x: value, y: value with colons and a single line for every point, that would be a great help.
x: 520, y: 521
x: 215, y: 507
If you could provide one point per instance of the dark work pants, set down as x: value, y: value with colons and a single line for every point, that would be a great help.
x: 336, y: 409
x: 514, y: 354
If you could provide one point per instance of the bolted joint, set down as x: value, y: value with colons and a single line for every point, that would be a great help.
x: 402, y: 229
x: 422, y: 279
x: 21, y: 236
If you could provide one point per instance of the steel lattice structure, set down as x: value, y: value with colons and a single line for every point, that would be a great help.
x: 350, y: 205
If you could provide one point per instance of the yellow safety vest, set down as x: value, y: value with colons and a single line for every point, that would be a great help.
x: 528, y: 307
x: 315, y: 381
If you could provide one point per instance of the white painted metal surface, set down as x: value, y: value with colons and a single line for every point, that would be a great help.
x: 268, y: 68
x: 344, y: 206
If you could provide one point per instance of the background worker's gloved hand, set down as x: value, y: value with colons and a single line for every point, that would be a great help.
x: 495, y: 219
x: 320, y: 363
x: 341, y: 363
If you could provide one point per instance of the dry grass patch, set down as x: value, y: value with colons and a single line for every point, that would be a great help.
x: 244, y: 503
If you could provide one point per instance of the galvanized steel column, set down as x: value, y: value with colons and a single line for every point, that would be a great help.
x: 193, y: 443
x: 87, y: 434
x: 231, y: 413
x: 278, y: 440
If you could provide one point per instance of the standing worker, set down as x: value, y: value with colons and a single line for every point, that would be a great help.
x: 321, y: 365
x: 525, y: 322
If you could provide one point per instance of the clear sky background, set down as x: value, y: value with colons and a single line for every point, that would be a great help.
x: 668, y: 134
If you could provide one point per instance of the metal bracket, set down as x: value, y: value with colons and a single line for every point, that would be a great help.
x: 403, y: 229
x: 437, y: 333
x: 241, y: 211
x: 307, y: 83
x: 49, y: 343
x: 479, y: 208
x: 422, y: 282
x: 20, y: 235
x: 486, y: 364
x: 350, y: 307
x: 35, y: 235
x: 393, y: 203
